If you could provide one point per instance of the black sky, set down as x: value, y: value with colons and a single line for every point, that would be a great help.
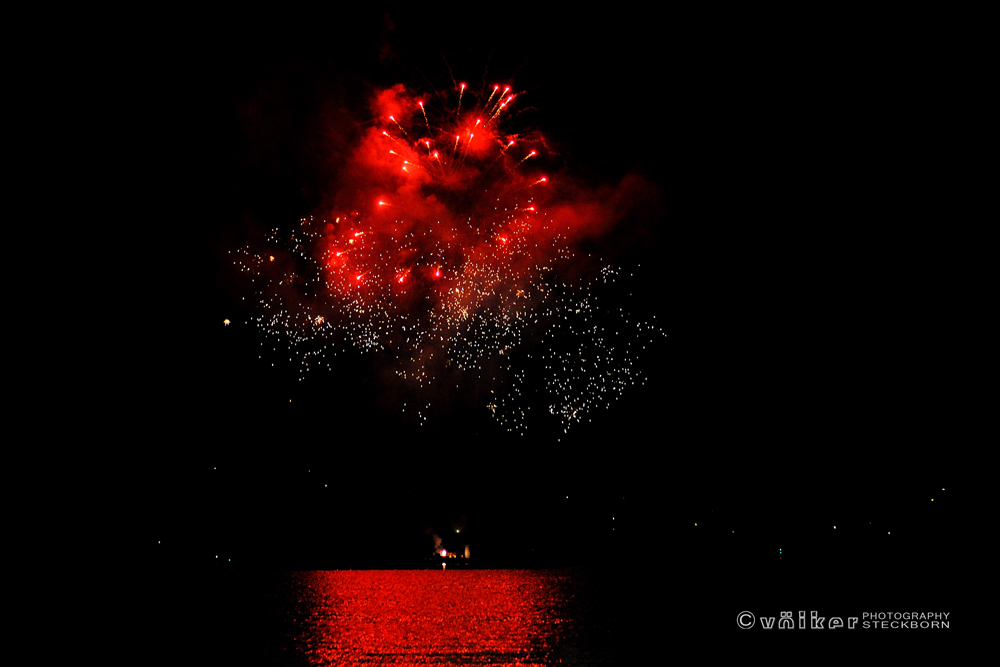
x: 788, y: 263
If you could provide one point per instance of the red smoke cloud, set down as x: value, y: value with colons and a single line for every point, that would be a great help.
x: 432, y: 185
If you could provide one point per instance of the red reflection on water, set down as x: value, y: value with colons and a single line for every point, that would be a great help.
x: 409, y: 617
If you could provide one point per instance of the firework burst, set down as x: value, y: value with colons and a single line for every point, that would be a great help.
x: 446, y: 249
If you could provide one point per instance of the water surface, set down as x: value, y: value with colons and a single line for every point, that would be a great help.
x: 418, y: 617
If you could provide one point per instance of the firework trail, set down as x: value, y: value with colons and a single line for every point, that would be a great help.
x: 446, y: 248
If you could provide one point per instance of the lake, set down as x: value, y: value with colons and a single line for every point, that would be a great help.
x: 407, y: 617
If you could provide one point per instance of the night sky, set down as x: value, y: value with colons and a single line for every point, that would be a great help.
x: 782, y: 244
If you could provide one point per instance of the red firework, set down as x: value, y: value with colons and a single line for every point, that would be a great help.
x: 443, y: 244
x: 443, y: 209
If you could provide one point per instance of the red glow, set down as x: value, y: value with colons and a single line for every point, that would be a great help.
x: 511, y: 617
